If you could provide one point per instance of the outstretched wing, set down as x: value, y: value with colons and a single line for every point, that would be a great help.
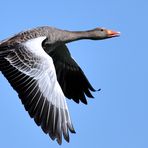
x: 70, y: 76
x: 31, y: 73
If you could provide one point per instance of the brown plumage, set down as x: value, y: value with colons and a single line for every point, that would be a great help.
x: 38, y: 65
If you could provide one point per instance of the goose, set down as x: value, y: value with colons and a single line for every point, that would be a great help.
x: 39, y: 67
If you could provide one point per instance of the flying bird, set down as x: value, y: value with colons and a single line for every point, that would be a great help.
x: 39, y: 66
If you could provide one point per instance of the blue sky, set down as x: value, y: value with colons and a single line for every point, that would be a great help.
x: 118, y: 116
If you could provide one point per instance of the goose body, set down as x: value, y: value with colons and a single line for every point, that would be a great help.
x: 38, y: 65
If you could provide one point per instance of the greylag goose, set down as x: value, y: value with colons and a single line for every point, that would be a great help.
x: 39, y: 66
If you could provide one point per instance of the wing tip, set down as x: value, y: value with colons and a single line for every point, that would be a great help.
x: 71, y: 128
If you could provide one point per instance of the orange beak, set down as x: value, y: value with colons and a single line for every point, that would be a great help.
x: 111, y: 33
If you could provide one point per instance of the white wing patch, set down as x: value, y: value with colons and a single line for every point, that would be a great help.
x: 35, y: 46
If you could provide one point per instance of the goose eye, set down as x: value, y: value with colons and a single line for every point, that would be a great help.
x: 101, y: 29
